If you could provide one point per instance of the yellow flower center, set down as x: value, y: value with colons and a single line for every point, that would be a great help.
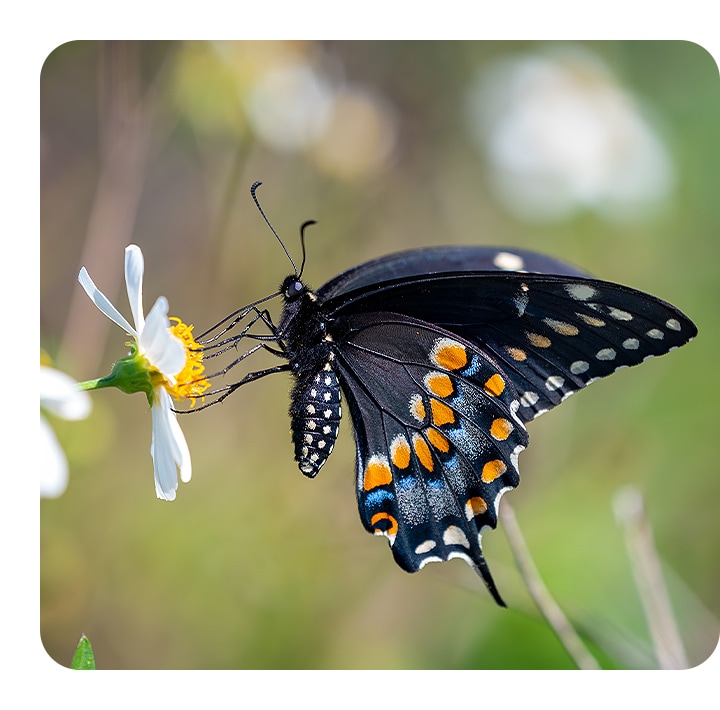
x: 189, y: 382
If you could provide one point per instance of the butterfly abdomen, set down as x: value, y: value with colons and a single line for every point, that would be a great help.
x: 315, y: 412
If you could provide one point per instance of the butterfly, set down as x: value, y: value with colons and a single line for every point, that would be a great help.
x: 442, y: 356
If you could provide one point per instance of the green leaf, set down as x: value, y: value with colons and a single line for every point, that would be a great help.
x: 83, y: 659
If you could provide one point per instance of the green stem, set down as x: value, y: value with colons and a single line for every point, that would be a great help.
x: 94, y: 384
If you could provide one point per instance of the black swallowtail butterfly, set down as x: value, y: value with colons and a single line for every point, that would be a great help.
x: 443, y: 355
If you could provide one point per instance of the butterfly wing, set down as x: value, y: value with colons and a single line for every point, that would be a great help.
x: 553, y: 333
x: 433, y: 260
x: 444, y: 354
x: 437, y: 434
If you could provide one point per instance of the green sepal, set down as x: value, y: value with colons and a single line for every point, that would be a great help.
x: 129, y: 374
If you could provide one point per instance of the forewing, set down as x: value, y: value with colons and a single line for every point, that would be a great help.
x: 553, y: 334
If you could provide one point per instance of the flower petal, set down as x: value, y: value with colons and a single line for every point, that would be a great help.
x: 102, y: 302
x: 60, y: 396
x: 168, y: 448
x: 164, y: 350
x: 53, y: 464
x: 134, y: 270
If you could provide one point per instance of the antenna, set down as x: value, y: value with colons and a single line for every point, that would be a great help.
x: 302, y: 243
x: 253, y: 189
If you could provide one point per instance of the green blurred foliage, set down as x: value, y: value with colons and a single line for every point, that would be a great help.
x: 255, y: 566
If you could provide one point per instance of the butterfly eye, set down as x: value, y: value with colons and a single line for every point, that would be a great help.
x: 294, y: 290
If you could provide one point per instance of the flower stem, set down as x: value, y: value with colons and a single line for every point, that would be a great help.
x: 544, y: 601
x: 94, y: 384
x: 630, y: 514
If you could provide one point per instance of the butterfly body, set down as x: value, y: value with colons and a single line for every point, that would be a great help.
x: 442, y: 356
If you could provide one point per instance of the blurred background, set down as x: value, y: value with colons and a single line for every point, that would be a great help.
x: 604, y: 154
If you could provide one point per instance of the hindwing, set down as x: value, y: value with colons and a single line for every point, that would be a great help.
x: 438, y: 437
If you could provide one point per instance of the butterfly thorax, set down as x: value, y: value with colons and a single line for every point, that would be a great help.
x: 315, y: 409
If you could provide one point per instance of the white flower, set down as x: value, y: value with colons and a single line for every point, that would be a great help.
x: 163, y: 362
x: 60, y: 396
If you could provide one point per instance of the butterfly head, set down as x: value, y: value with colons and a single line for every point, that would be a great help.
x: 292, y: 288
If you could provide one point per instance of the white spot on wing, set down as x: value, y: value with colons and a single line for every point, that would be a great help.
x: 554, y: 382
x: 606, y: 354
x: 580, y: 292
x: 453, y: 535
x: 508, y: 262
x: 424, y: 547
x: 578, y: 367
x: 529, y: 399
x: 617, y: 314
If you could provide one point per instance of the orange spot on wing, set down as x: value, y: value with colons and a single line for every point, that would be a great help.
x: 438, y: 440
x: 516, y: 354
x: 400, y: 452
x: 595, y: 322
x: 449, y: 355
x: 475, y: 506
x: 493, y: 469
x: 494, y: 386
x: 500, y: 429
x: 439, y: 384
x: 377, y: 473
x: 441, y: 413
x: 384, y: 524
x: 422, y: 450
x: 417, y: 407
x: 539, y: 341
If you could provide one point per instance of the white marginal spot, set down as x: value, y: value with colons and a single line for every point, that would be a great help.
x: 617, y: 314
x: 554, y: 382
x: 508, y: 262
x: 321, y: 444
x: 578, y: 367
x: 514, y: 458
x: 514, y: 406
x: 427, y: 560
x: 606, y: 354
x: 310, y: 409
x: 453, y: 535
x: 655, y: 334
x: 529, y: 399
x: 313, y: 393
x: 673, y: 324
x: 310, y: 424
x: 327, y: 413
x: 580, y: 292
x: 424, y: 547
x: 631, y: 344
